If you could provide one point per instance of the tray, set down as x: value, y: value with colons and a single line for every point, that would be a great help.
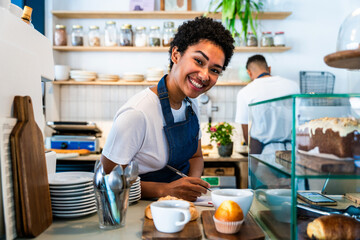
x: 249, y: 230
x: 190, y: 231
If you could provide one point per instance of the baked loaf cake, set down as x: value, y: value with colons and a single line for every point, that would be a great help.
x: 337, y: 136
x: 335, y: 227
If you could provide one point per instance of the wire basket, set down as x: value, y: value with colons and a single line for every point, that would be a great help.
x: 316, y: 82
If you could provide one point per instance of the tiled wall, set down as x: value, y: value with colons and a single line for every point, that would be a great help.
x: 99, y: 103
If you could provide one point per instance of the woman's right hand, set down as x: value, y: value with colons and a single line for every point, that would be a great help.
x: 187, y: 188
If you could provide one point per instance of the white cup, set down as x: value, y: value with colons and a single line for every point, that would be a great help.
x: 243, y: 197
x: 62, y: 72
x: 16, y: 10
x: 170, y: 216
x: 278, y: 201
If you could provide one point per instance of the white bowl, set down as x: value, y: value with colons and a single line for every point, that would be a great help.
x: 243, y: 197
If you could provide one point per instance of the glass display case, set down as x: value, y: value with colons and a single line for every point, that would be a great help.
x: 302, y: 143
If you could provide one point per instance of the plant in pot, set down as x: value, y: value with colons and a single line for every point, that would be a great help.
x: 243, y: 9
x: 221, y: 134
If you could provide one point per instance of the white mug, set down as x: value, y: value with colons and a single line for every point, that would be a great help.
x: 170, y: 216
x: 62, y: 72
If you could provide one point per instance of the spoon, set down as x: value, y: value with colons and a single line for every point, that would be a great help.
x: 99, y: 182
x: 115, y: 179
x: 131, y: 173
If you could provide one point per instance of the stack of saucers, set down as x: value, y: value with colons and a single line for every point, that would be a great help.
x: 154, y: 74
x: 108, y: 77
x: 133, y: 77
x: 135, y: 191
x: 82, y: 76
x: 72, y: 194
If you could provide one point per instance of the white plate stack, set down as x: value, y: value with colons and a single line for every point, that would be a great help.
x: 135, y: 191
x: 108, y: 77
x: 133, y: 77
x: 154, y: 74
x: 82, y: 76
x: 72, y: 194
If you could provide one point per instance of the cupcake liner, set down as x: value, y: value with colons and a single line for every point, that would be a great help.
x: 227, y: 227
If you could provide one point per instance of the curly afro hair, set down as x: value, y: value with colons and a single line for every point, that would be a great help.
x: 203, y: 28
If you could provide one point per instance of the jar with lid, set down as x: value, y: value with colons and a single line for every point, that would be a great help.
x: 168, y: 33
x: 279, y: 39
x: 77, y: 35
x: 251, y: 40
x: 140, y: 36
x: 154, y: 36
x: 110, y: 34
x: 267, y: 40
x: 94, y: 36
x: 126, y: 35
x: 60, y: 36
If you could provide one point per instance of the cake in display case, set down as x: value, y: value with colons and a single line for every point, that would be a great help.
x: 303, y: 143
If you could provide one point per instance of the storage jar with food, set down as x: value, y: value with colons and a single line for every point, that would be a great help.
x: 168, y: 34
x: 94, y: 36
x: 267, y: 39
x: 110, y: 34
x: 251, y: 40
x: 154, y: 36
x: 126, y: 35
x: 279, y: 39
x: 140, y: 36
x: 77, y: 35
x: 60, y: 36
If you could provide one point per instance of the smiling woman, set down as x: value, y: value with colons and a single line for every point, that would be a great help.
x: 159, y: 126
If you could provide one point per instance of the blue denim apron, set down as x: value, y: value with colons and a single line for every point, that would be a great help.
x: 182, y: 138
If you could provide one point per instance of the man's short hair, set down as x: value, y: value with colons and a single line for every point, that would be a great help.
x: 258, y: 60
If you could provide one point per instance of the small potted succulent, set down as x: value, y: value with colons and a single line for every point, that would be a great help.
x: 221, y: 134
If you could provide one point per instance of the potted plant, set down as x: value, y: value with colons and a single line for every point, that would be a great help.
x: 242, y: 9
x: 221, y: 133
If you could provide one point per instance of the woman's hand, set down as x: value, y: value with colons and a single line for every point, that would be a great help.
x: 187, y: 188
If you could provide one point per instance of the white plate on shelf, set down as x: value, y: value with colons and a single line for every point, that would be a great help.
x: 66, y: 194
x: 78, y: 190
x: 74, y: 211
x: 71, y: 187
x: 70, y: 178
x: 78, y: 207
x: 70, y: 202
x: 74, y: 215
x: 89, y: 196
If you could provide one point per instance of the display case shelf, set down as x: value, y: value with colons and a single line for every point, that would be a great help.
x: 157, y: 49
x: 155, y: 15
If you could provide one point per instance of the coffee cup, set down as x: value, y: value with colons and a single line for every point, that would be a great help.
x: 278, y: 201
x: 62, y: 72
x: 170, y: 216
x: 243, y: 197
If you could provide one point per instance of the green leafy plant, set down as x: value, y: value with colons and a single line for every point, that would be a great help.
x: 242, y: 9
x: 221, y: 133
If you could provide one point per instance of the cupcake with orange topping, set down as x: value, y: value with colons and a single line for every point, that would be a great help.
x: 228, y: 217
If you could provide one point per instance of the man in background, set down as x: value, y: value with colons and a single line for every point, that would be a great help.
x: 273, y: 126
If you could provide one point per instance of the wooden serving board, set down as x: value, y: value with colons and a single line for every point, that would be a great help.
x: 279, y: 229
x: 190, y: 231
x: 31, y: 187
x: 249, y: 229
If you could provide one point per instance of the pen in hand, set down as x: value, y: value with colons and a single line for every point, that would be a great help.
x: 182, y: 174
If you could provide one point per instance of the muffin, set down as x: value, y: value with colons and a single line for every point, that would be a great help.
x: 229, y: 217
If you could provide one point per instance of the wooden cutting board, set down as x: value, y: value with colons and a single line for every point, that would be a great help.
x: 249, y: 229
x: 190, y: 231
x: 31, y: 187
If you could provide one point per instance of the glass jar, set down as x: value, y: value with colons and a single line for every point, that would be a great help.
x: 267, y: 40
x: 77, y: 35
x: 251, y: 40
x: 279, y: 39
x: 168, y: 33
x: 60, y: 36
x: 110, y: 34
x: 94, y: 36
x: 126, y: 35
x: 140, y: 36
x: 154, y: 36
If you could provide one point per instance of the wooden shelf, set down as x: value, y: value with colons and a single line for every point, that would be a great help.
x: 158, y: 49
x: 156, y: 15
x: 144, y: 83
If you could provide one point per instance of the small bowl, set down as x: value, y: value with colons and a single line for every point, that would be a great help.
x: 243, y: 197
x: 227, y: 227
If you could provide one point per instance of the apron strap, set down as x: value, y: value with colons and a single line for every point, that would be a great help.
x: 164, y: 100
